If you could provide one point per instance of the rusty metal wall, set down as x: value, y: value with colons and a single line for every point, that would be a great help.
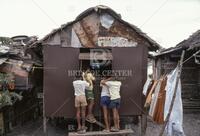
x: 58, y: 89
x: 131, y: 91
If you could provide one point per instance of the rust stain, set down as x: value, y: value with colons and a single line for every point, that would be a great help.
x: 120, y: 29
x: 91, y: 24
x: 82, y: 35
x: 87, y: 30
x: 88, y: 34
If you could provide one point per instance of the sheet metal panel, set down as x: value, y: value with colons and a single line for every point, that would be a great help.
x: 92, y: 56
x: 58, y: 88
x: 59, y: 92
x: 130, y: 59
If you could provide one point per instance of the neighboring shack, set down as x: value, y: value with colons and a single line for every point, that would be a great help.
x: 70, y: 48
x: 19, y: 66
x: 167, y: 60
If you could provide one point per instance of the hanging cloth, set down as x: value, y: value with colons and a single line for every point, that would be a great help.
x: 158, y: 115
x: 146, y: 86
x: 174, y: 126
x: 149, y: 97
x: 154, y: 99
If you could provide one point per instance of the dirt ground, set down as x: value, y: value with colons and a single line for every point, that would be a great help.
x: 191, y: 128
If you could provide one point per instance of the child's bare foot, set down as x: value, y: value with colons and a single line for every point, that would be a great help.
x: 84, y: 128
x: 113, y: 129
x: 106, y: 130
x: 79, y: 130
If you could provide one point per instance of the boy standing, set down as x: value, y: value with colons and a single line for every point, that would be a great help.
x: 80, y: 103
x: 114, y: 90
x: 104, y: 102
x: 88, y: 76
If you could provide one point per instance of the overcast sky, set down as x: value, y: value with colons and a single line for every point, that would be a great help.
x: 168, y: 22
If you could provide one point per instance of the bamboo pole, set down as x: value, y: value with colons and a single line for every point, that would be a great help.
x: 180, y: 65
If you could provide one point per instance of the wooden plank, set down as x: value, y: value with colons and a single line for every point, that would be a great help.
x: 99, y: 124
x: 101, y: 133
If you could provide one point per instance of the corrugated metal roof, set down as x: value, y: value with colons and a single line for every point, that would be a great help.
x: 192, y: 42
x: 154, y: 45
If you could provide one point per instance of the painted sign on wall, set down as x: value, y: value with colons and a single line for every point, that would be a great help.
x: 115, y: 42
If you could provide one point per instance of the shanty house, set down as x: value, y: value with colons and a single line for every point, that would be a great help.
x: 167, y: 60
x: 98, y: 38
x: 18, y: 68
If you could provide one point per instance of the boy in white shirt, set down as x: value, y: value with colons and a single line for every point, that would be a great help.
x: 105, y: 102
x: 114, y: 90
x: 80, y: 103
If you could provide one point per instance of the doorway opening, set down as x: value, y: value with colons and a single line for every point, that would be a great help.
x: 99, y: 61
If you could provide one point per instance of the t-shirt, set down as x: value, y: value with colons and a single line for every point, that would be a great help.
x: 105, y: 91
x: 79, y: 87
x: 89, y: 78
x: 114, y: 89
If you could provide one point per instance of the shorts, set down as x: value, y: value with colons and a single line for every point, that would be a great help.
x: 115, y: 103
x: 89, y: 94
x: 105, y: 101
x: 80, y: 101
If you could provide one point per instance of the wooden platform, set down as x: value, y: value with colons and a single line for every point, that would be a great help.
x: 101, y: 133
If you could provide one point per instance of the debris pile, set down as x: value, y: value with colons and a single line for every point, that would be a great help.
x: 20, y: 80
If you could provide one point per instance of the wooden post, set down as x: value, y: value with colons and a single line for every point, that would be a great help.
x: 180, y: 64
x: 143, y: 124
x: 45, y: 125
x: 44, y: 118
x: 154, y: 68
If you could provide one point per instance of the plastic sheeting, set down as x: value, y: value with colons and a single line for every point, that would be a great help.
x: 106, y: 20
x: 174, y: 126
x: 146, y: 85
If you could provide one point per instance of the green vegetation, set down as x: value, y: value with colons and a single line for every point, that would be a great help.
x: 7, y: 96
